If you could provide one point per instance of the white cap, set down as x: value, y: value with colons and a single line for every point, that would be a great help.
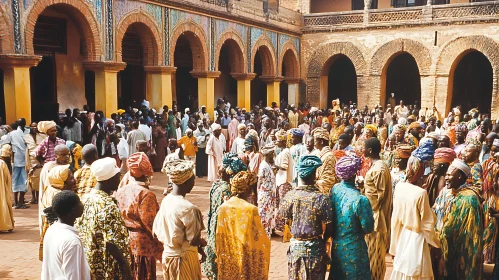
x: 104, y: 169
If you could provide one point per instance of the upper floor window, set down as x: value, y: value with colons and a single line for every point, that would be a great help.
x: 408, y: 3
x: 359, y: 4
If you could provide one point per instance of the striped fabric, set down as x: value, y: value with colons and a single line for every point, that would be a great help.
x: 377, y: 251
x: 184, y: 267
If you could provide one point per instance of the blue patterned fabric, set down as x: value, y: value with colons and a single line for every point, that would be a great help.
x: 352, y: 219
x: 425, y: 151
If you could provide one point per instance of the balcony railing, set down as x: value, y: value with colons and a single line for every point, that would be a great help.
x: 221, y: 3
x: 479, y: 11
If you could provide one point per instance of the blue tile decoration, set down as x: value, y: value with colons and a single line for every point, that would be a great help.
x: 17, y: 27
x: 273, y: 39
x: 177, y: 17
x: 166, y: 35
x: 248, y: 49
x: 95, y: 4
x: 212, y: 44
x: 242, y: 30
x: 124, y: 7
x: 221, y: 26
x: 109, y: 30
x: 283, y: 39
x: 256, y: 33
x: 296, y: 42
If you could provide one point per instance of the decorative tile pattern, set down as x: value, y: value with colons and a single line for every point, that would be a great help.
x: 17, y: 26
x: 248, y: 49
x: 283, y: 39
x: 242, y: 30
x: 296, y: 42
x: 273, y: 39
x: 255, y: 34
x: 212, y: 44
x: 177, y: 17
x: 124, y: 7
x: 109, y: 30
x: 95, y: 4
x: 220, y: 27
x: 166, y: 32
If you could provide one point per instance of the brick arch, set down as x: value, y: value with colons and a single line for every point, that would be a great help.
x: 6, y: 37
x: 197, y: 41
x: 268, y: 57
x: 236, y: 49
x: 149, y: 34
x: 452, y: 53
x: 84, y: 19
x: 290, y: 55
x: 322, y: 55
x: 384, y: 54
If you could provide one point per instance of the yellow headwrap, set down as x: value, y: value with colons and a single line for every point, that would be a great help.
x: 45, y: 126
x: 179, y: 170
x: 242, y: 182
x: 6, y: 151
x: 320, y: 133
x: 121, y: 111
x: 371, y: 127
x: 281, y: 135
x: 58, y: 175
x: 77, y: 156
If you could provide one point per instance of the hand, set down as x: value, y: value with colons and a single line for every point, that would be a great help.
x: 203, y: 255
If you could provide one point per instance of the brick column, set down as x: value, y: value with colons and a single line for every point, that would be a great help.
x: 159, y: 86
x: 206, y: 89
x: 273, y: 89
x: 17, y: 90
x: 106, y: 84
x: 243, y: 89
x: 293, y: 90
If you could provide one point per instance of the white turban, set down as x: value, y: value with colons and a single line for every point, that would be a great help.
x: 104, y: 169
x: 215, y: 126
x: 461, y: 165
x: 186, y: 110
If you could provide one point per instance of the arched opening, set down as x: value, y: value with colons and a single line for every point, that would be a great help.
x: 132, y: 79
x: 263, y: 67
x: 290, y: 71
x: 470, y: 82
x: 401, y: 76
x: 229, y: 61
x: 186, y: 86
x: 339, y: 80
x: 59, y: 81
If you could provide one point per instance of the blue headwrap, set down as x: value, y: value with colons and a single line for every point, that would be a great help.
x: 70, y: 145
x: 297, y: 132
x: 248, y: 144
x: 233, y: 164
x: 307, y: 165
x: 425, y: 151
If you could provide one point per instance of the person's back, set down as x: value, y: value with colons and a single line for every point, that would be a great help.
x: 63, y: 254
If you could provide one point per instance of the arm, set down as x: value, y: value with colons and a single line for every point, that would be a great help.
x: 73, y: 259
x: 428, y: 220
x: 364, y: 213
x: 148, y: 208
x: 114, y: 251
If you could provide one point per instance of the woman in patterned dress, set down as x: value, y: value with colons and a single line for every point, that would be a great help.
x: 352, y: 219
x: 266, y: 189
x: 219, y: 193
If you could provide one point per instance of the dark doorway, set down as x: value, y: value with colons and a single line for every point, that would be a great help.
x: 132, y: 78
x: 472, y: 83
x: 402, y: 78
x: 185, y: 84
x: 225, y: 85
x: 258, y: 87
x: 283, y: 86
x: 342, y: 81
x: 90, y: 89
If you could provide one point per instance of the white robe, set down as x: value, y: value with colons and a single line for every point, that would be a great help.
x: 412, y: 229
x: 214, y: 150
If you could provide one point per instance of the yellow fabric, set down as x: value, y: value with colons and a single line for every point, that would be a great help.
x: 188, y: 145
x: 185, y: 267
x: 378, y: 189
x: 45, y: 126
x: 241, y: 243
x: 6, y: 213
x: 77, y: 156
x: 58, y: 175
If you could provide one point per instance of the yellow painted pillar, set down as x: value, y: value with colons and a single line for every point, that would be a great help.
x: 106, y: 85
x: 17, y: 90
x: 206, y: 90
x: 244, y: 89
x: 273, y: 89
x: 159, y: 86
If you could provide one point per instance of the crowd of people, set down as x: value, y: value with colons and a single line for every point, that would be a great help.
x: 344, y: 186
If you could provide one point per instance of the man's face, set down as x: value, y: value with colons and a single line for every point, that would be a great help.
x: 489, y: 140
x: 460, y: 135
x: 62, y: 157
x: 443, y: 142
x: 453, y: 178
x: 217, y: 132
x: 399, y: 135
x: 493, y: 151
x: 469, y: 154
x: 310, y: 144
x: 142, y: 147
x: 242, y: 131
x: 189, y: 134
x: 33, y: 128
x: 70, y: 183
x: 267, y: 123
x: 438, y: 123
x: 342, y: 143
x: 358, y: 129
x: 52, y: 133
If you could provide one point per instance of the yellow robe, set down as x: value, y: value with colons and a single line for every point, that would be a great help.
x: 241, y: 244
x: 6, y: 213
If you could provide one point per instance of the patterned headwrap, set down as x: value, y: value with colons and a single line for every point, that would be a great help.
x: 232, y: 164
x: 403, y: 151
x: 473, y: 143
x: 372, y: 128
x: 415, y: 125
x: 339, y: 154
x: 242, y: 182
x: 307, y: 165
x: 179, y: 170
x: 347, y: 166
x: 248, y: 143
x: 267, y: 149
x: 461, y: 127
x: 444, y: 155
x: 253, y: 134
x: 297, y: 132
x: 281, y: 135
x: 58, y: 175
x: 461, y: 165
x: 139, y: 165
x: 425, y: 151
x: 320, y: 133
x: 411, y: 118
x: 399, y: 127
